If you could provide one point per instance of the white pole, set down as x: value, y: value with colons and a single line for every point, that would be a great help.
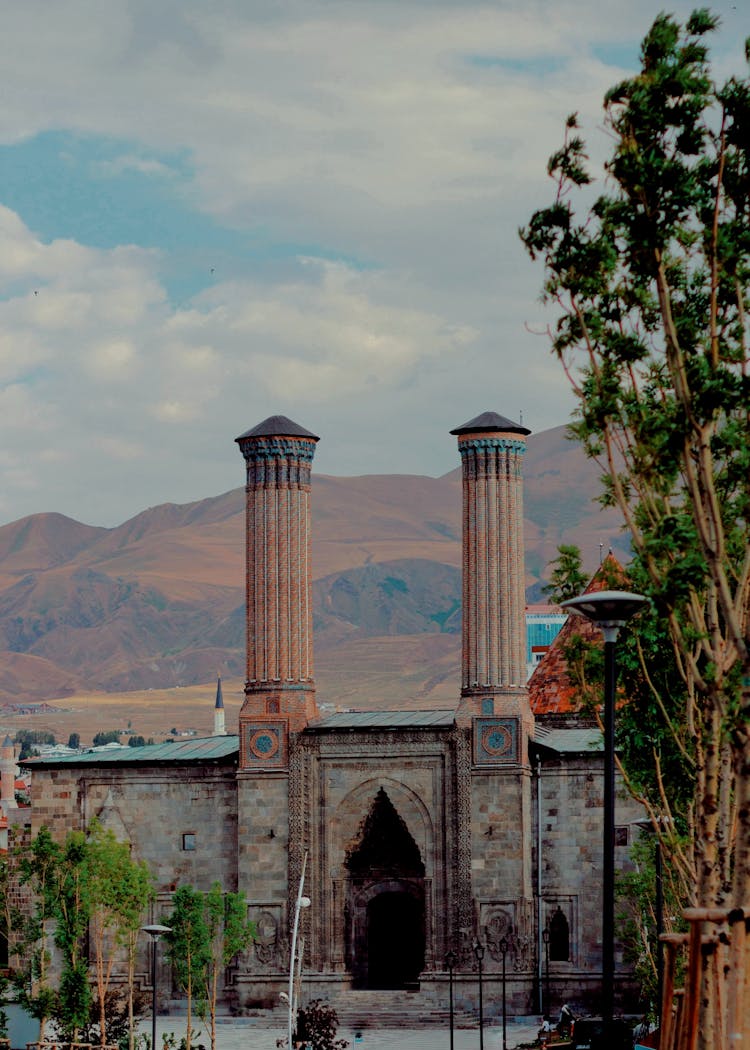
x: 302, y: 902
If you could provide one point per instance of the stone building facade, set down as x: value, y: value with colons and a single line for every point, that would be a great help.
x: 421, y: 834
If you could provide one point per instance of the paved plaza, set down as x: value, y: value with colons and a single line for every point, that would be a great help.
x: 261, y: 1034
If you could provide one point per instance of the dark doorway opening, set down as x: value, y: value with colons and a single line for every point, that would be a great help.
x: 385, y: 909
x: 395, y: 941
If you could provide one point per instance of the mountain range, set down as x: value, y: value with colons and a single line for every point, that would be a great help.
x: 158, y: 601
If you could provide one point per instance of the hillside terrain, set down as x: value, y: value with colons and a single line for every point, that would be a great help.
x: 157, y: 602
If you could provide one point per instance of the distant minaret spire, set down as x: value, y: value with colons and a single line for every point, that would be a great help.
x: 219, y: 727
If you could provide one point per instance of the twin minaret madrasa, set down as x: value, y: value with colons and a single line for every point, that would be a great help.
x: 418, y: 832
x: 454, y: 785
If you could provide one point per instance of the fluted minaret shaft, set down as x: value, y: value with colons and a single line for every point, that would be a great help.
x: 279, y: 641
x: 494, y: 650
x: 278, y: 456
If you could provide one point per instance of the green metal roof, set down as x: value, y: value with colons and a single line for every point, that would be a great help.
x: 383, y: 720
x: 578, y: 740
x: 218, y: 749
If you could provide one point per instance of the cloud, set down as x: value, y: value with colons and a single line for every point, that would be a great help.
x: 371, y: 160
x: 109, y: 372
x: 148, y: 166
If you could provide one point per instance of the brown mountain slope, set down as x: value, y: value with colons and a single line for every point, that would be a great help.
x: 158, y: 601
x: 42, y: 541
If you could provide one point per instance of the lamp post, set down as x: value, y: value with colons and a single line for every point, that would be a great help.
x: 545, y: 938
x: 450, y: 961
x: 301, y: 902
x: 155, y: 931
x: 503, y: 946
x: 478, y: 948
x: 609, y: 610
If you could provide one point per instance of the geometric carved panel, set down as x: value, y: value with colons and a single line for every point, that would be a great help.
x: 263, y: 744
x: 495, y: 741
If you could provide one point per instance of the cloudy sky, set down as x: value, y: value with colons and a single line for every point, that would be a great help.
x: 212, y: 212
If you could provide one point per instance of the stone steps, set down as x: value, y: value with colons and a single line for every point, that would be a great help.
x: 362, y: 1009
x: 393, y: 1009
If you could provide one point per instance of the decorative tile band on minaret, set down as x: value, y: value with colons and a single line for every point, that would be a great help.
x: 494, y: 650
x: 279, y: 680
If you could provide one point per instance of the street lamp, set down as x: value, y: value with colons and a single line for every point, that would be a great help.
x: 155, y: 931
x: 478, y: 948
x: 503, y: 946
x: 450, y: 961
x: 609, y: 610
x: 302, y: 902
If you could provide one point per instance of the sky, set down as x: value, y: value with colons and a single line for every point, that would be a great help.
x: 215, y: 212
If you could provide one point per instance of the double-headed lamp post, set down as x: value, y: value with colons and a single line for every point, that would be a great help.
x: 609, y: 610
x: 302, y: 902
x: 155, y: 932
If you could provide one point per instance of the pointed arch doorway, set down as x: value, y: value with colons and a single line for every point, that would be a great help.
x: 385, y: 902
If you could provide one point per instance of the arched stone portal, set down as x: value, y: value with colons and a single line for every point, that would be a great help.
x: 385, y: 902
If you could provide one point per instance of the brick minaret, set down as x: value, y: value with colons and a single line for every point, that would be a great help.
x: 494, y: 649
x: 279, y: 687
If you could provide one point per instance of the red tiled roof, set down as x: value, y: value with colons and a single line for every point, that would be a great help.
x: 551, y: 689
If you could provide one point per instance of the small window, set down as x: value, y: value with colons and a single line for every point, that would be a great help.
x: 621, y: 835
x: 188, y: 840
x: 559, y: 937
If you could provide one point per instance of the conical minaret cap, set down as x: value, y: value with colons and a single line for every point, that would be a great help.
x: 278, y: 426
x: 491, y: 422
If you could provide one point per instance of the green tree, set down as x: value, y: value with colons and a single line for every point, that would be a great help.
x: 567, y: 579
x: 30, y: 739
x: 74, y: 741
x: 37, y: 868
x: 121, y: 890
x: 229, y: 932
x: 188, y: 950
x: 71, y: 910
x: 106, y: 736
x: 6, y: 923
x: 654, y: 753
x: 57, y: 875
x: 651, y: 292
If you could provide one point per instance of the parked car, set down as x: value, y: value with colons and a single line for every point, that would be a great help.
x: 591, y: 1033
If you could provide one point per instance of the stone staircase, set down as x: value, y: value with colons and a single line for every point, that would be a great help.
x: 393, y: 1009
x: 356, y: 1009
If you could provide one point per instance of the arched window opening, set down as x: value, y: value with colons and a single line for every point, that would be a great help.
x: 559, y: 937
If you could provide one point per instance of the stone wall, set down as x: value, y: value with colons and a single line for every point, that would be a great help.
x: 571, y: 838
